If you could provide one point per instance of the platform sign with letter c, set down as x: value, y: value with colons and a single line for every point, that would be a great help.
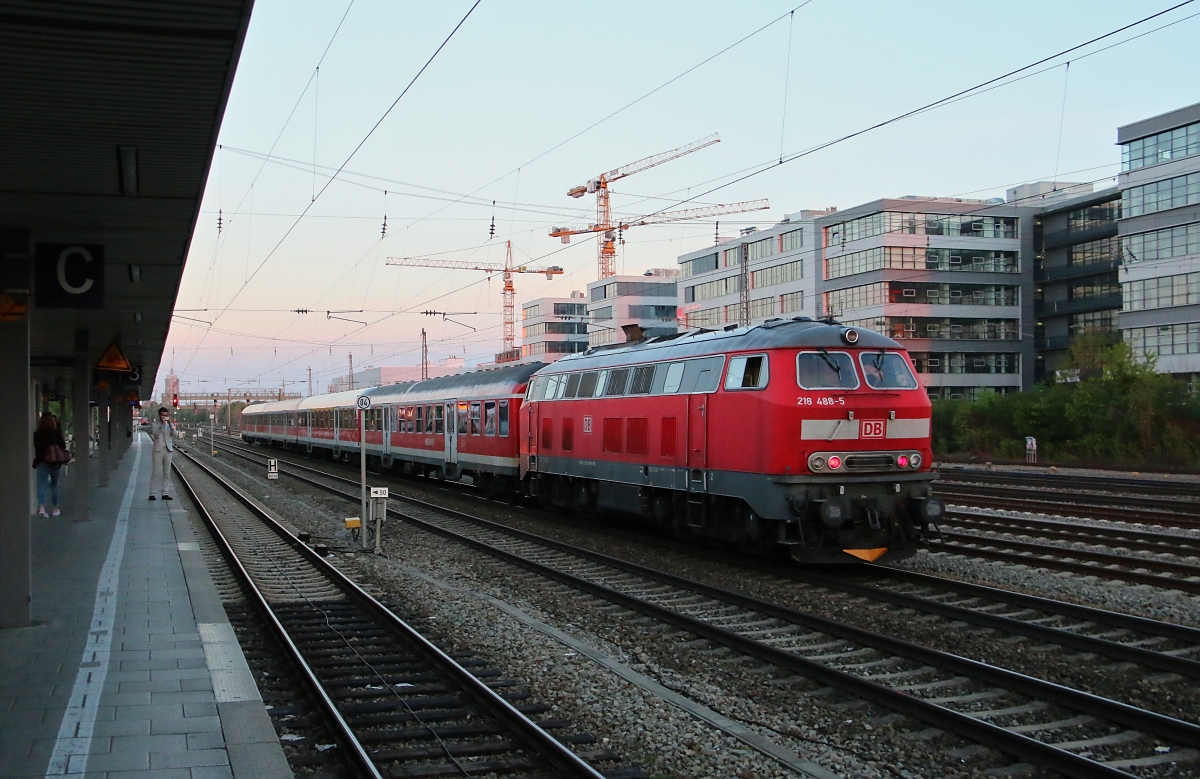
x: 69, y: 275
x: 363, y: 402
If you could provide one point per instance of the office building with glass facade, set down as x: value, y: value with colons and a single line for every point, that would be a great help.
x: 1159, y: 230
x: 648, y: 301
x: 947, y: 277
x: 776, y: 266
x: 1075, y: 272
x: 552, y: 328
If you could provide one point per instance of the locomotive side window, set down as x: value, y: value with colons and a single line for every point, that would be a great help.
x: 551, y: 387
x: 747, y: 372
x: 702, y: 375
x: 674, y: 377
x: 825, y: 370
x: 572, y: 386
x: 886, y: 370
x: 503, y: 418
x: 643, y: 380
x: 489, y: 417
x: 587, y: 385
x: 616, y: 382
x: 601, y: 382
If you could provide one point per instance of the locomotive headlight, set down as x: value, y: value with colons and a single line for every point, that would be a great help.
x: 902, y: 461
x: 914, y: 461
x: 835, y: 462
x: 816, y: 463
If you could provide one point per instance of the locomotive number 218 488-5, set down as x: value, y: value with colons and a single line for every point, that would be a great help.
x: 824, y: 401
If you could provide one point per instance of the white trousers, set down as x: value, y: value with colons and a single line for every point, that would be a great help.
x: 160, y: 473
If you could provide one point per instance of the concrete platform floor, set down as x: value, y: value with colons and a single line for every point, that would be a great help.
x: 131, y: 668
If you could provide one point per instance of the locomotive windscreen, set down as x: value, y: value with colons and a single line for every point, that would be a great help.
x: 886, y: 370
x: 825, y: 370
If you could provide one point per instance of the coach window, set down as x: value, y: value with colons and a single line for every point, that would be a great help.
x: 428, y: 420
x: 747, y: 372
x: 437, y: 419
x: 587, y: 385
x: 475, y: 418
x: 825, y: 370
x: 489, y: 417
x: 886, y: 370
x: 572, y: 386
x: 643, y: 380
x: 616, y: 382
x: 503, y: 418
x: 462, y: 419
x: 674, y: 378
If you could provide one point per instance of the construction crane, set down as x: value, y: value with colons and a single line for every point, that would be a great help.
x: 510, y: 291
x: 607, y: 249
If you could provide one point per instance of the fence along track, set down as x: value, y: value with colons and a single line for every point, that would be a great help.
x: 386, y: 689
x: 1072, y: 727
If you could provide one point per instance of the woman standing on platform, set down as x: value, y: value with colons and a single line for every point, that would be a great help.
x: 50, y: 452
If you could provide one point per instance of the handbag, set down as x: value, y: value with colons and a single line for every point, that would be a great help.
x: 56, y: 455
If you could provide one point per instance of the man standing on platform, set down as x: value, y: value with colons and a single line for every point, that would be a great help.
x: 163, y: 434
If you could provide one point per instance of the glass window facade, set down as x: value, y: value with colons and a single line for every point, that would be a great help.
x: 1163, y: 147
x: 965, y: 393
x: 529, y: 312
x: 1093, y: 322
x: 1094, y: 287
x: 699, y: 265
x: 601, y: 314
x: 791, y: 241
x: 1161, y: 195
x: 554, y: 328
x: 1098, y: 215
x: 705, y: 317
x: 777, y: 274
x: 970, y: 225
x: 1182, y: 338
x: 655, y: 289
x: 917, y: 258
x: 711, y: 289
x: 1179, y: 290
x: 1105, y: 250
x: 927, y: 293
x: 960, y: 362
x: 942, y: 328
x: 570, y: 309
x: 666, y: 313
x: 732, y: 257
x: 758, y: 309
x: 792, y: 301
x: 760, y: 249
x: 1163, y: 244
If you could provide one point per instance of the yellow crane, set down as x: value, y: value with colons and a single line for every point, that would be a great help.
x: 607, y: 249
x: 510, y: 291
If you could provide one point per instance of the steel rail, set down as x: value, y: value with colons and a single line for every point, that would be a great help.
x: 1016, y: 744
x: 1074, y: 505
x: 357, y: 754
x: 1143, y: 540
x: 1117, y: 484
x: 545, y: 745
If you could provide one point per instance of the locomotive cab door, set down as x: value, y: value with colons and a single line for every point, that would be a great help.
x: 451, y: 428
x: 697, y: 438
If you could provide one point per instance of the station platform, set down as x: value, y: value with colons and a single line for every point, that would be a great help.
x: 131, y: 667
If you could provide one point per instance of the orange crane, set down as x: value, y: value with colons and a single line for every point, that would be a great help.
x: 607, y: 250
x: 510, y: 292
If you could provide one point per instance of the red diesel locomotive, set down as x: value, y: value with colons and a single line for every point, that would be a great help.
x: 793, y: 434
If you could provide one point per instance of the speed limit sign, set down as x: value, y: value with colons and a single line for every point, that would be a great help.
x: 364, y: 402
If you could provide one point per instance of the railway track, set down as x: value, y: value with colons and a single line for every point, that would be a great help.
x: 1073, y: 532
x: 1072, y: 732
x: 396, y: 704
x: 1119, y: 485
x: 1152, y: 511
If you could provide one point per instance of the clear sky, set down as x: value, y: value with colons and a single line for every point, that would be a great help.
x: 503, y: 113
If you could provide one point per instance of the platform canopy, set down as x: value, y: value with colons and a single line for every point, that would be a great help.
x: 109, y: 113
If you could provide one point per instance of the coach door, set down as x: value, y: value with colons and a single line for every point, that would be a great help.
x: 451, y: 438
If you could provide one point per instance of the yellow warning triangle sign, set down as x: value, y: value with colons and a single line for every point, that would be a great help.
x: 113, y: 359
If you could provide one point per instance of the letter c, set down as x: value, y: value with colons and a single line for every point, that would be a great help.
x: 62, y: 270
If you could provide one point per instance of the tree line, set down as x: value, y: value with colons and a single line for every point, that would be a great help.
x: 1108, y: 406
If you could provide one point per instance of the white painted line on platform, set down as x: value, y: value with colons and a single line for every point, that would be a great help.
x: 74, y: 742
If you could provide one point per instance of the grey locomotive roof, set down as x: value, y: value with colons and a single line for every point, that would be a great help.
x: 493, y: 382
x: 799, y: 333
